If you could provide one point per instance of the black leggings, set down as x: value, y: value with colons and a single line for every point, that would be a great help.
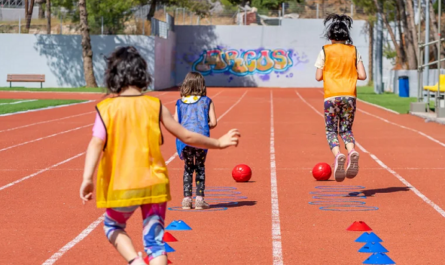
x: 194, y: 161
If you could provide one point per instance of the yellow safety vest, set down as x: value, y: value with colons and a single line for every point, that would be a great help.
x: 132, y: 170
x: 340, y: 70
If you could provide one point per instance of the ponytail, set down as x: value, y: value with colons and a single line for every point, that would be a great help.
x: 337, y: 27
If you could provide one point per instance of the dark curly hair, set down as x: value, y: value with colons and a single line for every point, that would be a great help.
x: 126, y: 67
x: 338, y: 27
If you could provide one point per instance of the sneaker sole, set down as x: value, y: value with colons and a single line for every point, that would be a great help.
x: 352, y: 170
x: 202, y: 208
x: 339, y: 172
x: 186, y: 208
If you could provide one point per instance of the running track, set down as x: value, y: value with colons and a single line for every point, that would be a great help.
x: 44, y: 222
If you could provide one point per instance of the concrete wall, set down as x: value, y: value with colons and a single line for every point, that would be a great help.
x: 300, y: 40
x: 14, y: 14
x: 165, y: 70
x: 59, y: 57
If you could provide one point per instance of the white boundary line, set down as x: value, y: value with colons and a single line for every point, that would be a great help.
x: 276, y: 227
x: 45, y: 137
x: 372, y: 104
x: 41, y: 171
x: 93, y: 225
x: 18, y: 102
x: 47, y: 121
x: 377, y: 106
x: 53, y: 107
x: 395, y: 174
x: 403, y: 127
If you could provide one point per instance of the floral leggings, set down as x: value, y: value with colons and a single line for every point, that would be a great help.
x: 194, y: 162
x: 153, y: 226
x: 339, y: 112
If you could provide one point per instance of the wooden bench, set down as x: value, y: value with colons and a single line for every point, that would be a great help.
x: 25, y: 78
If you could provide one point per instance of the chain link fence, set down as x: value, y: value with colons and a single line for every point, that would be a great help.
x: 137, y: 20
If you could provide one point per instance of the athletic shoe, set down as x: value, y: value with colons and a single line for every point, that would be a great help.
x: 339, y: 168
x: 201, y: 204
x: 187, y: 203
x: 352, y: 169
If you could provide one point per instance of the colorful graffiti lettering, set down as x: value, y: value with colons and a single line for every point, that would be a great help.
x: 241, y: 63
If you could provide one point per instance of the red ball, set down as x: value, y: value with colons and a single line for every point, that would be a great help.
x: 242, y: 173
x: 322, y: 171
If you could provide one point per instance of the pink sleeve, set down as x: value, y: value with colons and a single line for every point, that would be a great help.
x: 99, y: 128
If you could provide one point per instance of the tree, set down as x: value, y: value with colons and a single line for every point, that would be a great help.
x: 41, y: 9
x: 48, y: 16
x: 29, y: 7
x: 87, y: 51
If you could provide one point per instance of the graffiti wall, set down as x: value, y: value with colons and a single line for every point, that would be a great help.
x: 241, y: 63
x: 281, y: 56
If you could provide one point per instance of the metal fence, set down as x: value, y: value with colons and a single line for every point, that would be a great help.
x: 135, y: 22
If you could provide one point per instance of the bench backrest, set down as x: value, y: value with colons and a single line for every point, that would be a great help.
x: 25, y: 78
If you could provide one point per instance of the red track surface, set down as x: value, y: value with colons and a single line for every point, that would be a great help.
x: 42, y: 214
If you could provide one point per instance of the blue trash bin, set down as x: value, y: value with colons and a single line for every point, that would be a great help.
x: 403, y: 86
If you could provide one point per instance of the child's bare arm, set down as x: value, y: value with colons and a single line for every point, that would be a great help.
x: 176, y: 114
x: 92, y: 158
x: 361, y: 71
x: 319, y: 74
x: 212, y: 116
x: 196, y: 139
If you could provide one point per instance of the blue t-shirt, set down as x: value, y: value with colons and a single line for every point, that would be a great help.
x: 193, y: 114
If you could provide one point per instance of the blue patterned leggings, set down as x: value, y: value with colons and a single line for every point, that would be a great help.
x: 339, y: 113
x: 153, y: 231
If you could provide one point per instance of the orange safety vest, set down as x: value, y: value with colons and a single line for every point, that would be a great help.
x: 340, y: 70
x: 132, y: 170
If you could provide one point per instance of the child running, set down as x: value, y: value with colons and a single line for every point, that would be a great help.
x: 196, y: 112
x: 340, y: 65
x: 132, y: 173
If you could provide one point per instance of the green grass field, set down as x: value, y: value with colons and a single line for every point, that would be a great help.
x: 16, y: 105
x: 79, y: 89
x: 388, y: 100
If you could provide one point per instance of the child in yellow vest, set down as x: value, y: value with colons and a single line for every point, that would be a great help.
x: 132, y: 172
x: 340, y: 65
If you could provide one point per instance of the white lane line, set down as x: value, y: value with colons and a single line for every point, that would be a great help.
x: 375, y: 105
x: 93, y: 225
x: 18, y: 102
x: 76, y: 240
x: 276, y: 227
x: 41, y: 171
x: 380, y: 107
x: 403, y: 127
x: 376, y: 159
x: 45, y: 137
x: 46, y: 108
x: 406, y: 128
x: 42, y: 122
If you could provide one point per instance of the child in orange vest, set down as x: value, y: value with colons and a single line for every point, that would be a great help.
x: 132, y: 172
x: 340, y: 65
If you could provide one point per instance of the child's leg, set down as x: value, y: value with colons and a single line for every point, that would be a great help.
x: 189, y: 168
x: 347, y: 114
x: 346, y: 122
x: 331, y: 124
x: 200, y: 160
x: 153, y: 232
x: 114, y: 226
x: 331, y: 114
x: 200, y: 169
